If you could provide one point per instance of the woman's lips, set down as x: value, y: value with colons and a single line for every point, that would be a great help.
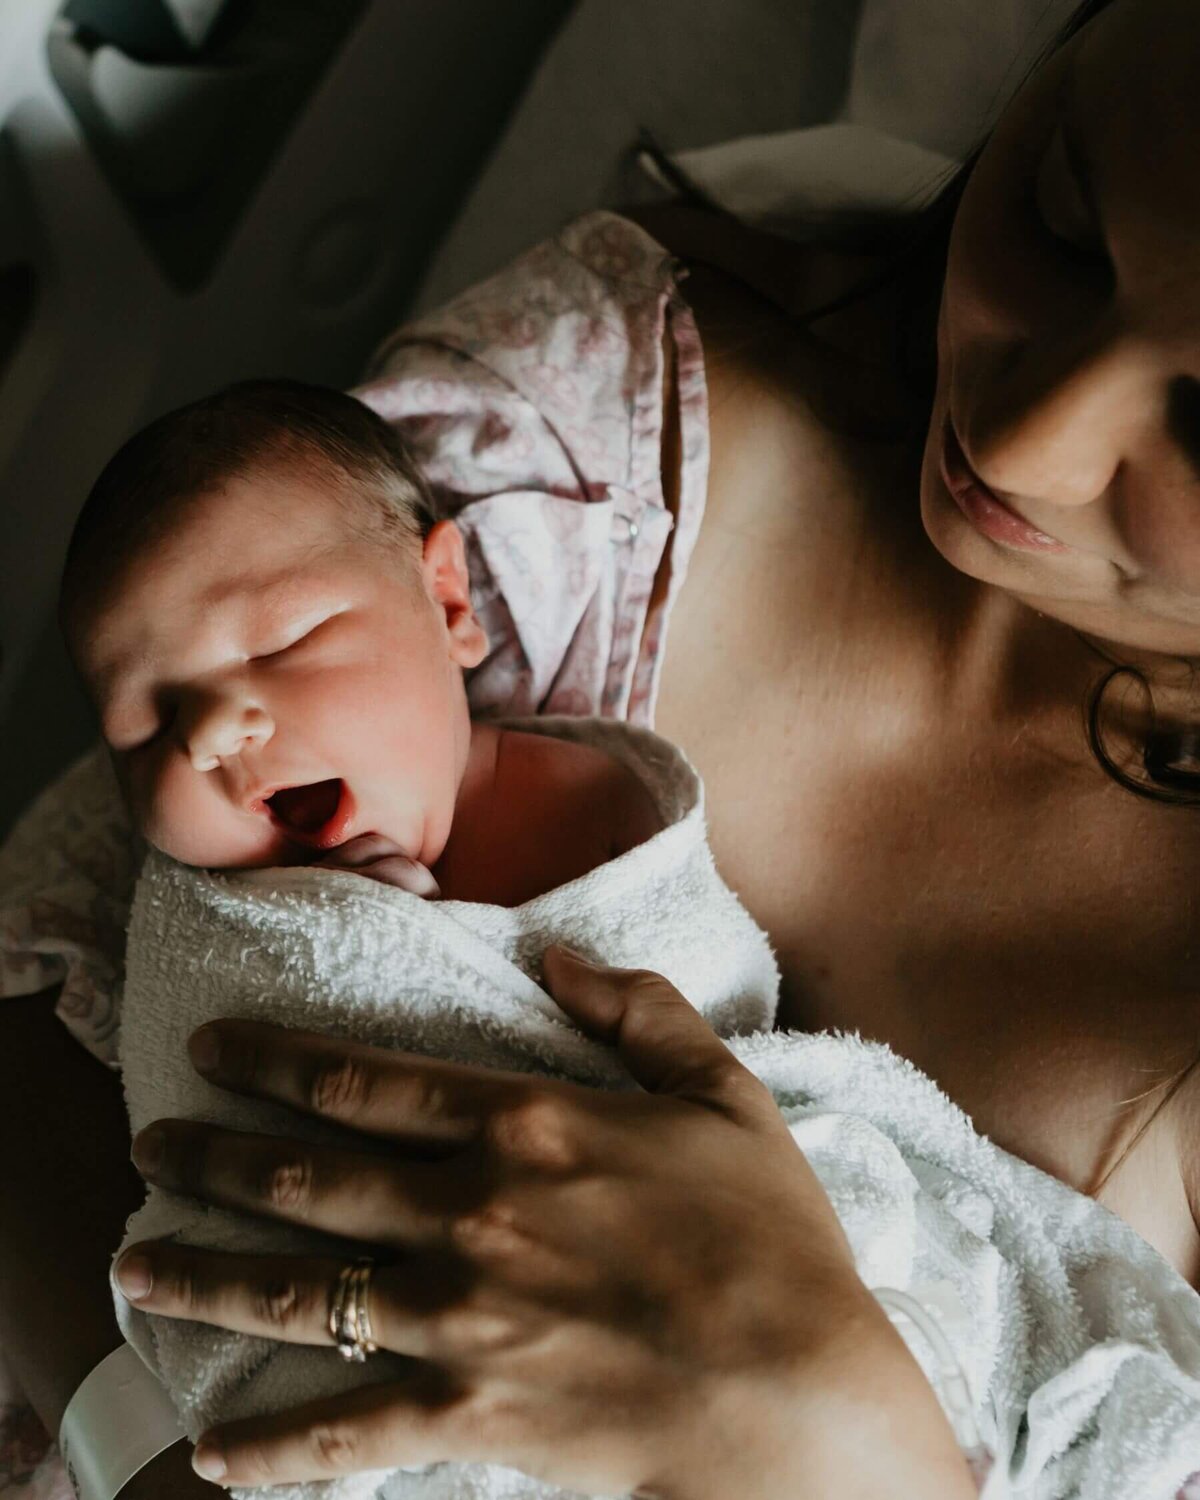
x: 985, y: 512
x: 295, y: 811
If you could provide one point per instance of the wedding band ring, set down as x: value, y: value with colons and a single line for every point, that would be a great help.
x: 349, y: 1317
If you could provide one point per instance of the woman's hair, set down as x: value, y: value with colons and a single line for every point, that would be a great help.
x: 253, y: 426
x: 916, y: 248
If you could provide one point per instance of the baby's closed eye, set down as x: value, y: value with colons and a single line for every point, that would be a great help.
x: 298, y: 637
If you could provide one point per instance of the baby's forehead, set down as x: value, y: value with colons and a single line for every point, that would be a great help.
x: 247, y: 560
x: 230, y: 537
x: 251, y: 524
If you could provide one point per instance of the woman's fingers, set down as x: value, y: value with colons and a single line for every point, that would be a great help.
x: 280, y: 1297
x: 387, y: 1200
x: 667, y: 1045
x: 398, y: 1095
x: 430, y: 1307
x: 426, y: 1418
x: 664, y: 1041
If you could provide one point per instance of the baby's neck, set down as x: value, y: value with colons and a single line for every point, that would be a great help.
x: 482, y: 782
x: 485, y: 786
x: 532, y: 813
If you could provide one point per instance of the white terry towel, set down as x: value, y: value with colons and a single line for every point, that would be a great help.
x: 332, y: 951
x: 1080, y: 1345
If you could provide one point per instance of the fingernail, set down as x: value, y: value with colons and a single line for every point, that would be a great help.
x: 148, y: 1147
x: 207, y: 1460
x: 204, y: 1049
x: 134, y: 1275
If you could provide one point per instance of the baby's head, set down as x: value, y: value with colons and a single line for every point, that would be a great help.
x: 257, y: 599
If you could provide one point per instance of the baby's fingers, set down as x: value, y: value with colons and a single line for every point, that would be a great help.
x: 423, y: 1419
x: 380, y: 858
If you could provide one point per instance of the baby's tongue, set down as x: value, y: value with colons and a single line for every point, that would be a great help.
x: 307, y: 808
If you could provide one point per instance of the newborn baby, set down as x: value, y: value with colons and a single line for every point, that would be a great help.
x: 273, y: 630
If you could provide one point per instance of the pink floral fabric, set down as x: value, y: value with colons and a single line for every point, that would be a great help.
x: 30, y: 1465
x: 534, y: 405
x: 66, y: 882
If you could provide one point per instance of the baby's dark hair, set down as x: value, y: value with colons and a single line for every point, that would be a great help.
x: 249, y: 426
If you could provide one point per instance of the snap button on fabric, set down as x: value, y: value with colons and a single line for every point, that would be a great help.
x: 631, y: 527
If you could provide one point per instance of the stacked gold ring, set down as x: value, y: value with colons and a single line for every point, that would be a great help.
x: 349, y: 1318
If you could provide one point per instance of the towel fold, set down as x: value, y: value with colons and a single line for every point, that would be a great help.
x: 1080, y: 1346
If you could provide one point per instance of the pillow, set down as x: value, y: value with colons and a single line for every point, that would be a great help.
x: 925, y: 73
x: 940, y: 72
x: 798, y: 181
x: 928, y: 79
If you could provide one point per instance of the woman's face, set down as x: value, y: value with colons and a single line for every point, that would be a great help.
x: 1069, y: 340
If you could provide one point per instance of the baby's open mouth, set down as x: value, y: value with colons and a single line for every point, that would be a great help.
x: 317, y: 814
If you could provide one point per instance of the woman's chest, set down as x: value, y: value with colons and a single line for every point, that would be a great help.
x: 1020, y: 929
x: 1042, y: 971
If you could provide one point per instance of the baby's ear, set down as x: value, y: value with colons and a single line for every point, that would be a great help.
x: 448, y: 584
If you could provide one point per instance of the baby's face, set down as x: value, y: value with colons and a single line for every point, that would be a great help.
x: 261, y: 646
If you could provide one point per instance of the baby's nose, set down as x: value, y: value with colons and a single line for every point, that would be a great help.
x: 221, y: 726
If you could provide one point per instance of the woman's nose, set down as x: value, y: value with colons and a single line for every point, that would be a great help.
x: 1055, y: 425
x: 216, y: 726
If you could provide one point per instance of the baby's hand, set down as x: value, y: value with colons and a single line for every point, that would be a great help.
x: 379, y: 858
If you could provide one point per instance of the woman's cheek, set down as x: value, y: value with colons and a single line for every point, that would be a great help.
x: 1161, y: 528
x: 988, y: 273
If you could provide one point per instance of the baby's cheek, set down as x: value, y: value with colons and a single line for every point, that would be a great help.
x: 155, y: 805
x: 173, y: 813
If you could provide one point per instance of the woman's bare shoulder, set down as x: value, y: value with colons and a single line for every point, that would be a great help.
x: 789, y: 275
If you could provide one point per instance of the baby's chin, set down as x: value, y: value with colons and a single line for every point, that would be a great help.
x: 382, y: 859
x: 373, y: 855
x: 278, y: 853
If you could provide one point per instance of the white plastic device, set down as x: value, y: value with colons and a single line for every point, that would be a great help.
x: 116, y: 1422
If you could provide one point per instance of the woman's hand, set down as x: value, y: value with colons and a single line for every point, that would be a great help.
x: 641, y: 1291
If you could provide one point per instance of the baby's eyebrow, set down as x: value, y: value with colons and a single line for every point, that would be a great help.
x: 273, y: 596
x: 258, y: 604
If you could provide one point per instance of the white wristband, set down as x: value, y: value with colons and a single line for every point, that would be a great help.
x: 116, y: 1422
x: 929, y: 1309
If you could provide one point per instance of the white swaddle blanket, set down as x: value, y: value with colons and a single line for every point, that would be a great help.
x: 1080, y: 1345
